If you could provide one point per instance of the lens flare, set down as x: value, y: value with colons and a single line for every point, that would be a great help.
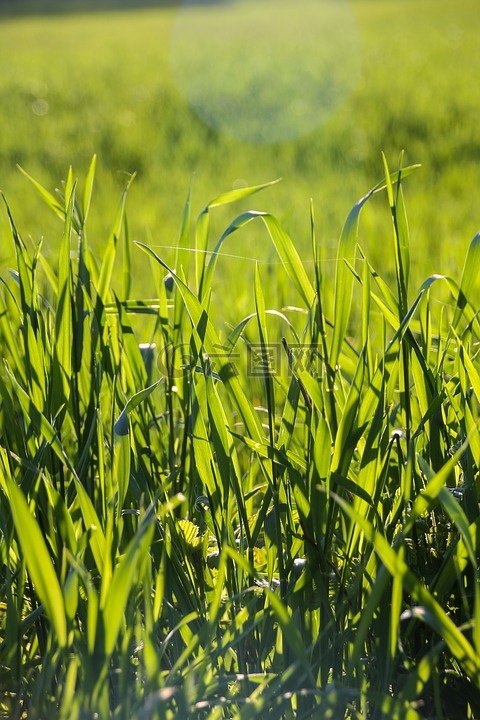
x: 265, y: 71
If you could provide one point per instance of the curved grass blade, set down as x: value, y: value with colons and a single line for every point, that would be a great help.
x: 470, y: 279
x: 47, y: 196
x: 344, y: 279
x: 203, y: 225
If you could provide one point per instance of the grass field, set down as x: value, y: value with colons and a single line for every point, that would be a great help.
x: 101, y: 83
x: 239, y: 450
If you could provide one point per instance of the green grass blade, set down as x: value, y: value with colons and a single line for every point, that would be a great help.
x: 38, y: 562
x: 69, y: 183
x: 400, y: 232
x: 123, y: 579
x: 284, y: 246
x: 266, y: 364
x: 457, y: 515
x: 47, y: 196
x: 344, y: 280
x: 240, y: 194
x: 62, y: 367
x: 182, y: 260
x: 106, y: 270
x: 290, y: 259
x: 93, y: 525
x: 126, y: 261
x: 182, y: 256
x: 238, y: 223
x: 349, y: 432
x: 436, y: 481
x: 33, y: 416
x: 346, y: 253
x: 203, y: 225
x: 121, y: 468
x: 88, y: 189
x: 469, y: 281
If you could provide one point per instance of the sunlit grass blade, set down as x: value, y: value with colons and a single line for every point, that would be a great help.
x: 38, y: 562
x: 266, y: 365
x: 47, y: 196
x: 283, y: 245
x: 106, y: 270
x: 182, y: 259
x: 88, y: 189
x: 400, y: 232
x: 469, y: 281
x: 203, y: 225
x: 93, y: 525
x: 349, y: 431
x: 346, y: 253
x: 127, y: 261
x: 344, y: 280
x: 291, y: 261
x: 24, y: 267
x: 182, y: 256
x: 238, y: 223
x: 62, y: 367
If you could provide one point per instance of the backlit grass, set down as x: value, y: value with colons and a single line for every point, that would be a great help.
x: 278, y: 519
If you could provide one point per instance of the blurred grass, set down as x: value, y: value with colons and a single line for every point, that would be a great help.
x: 100, y: 83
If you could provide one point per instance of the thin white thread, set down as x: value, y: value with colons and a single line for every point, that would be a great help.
x: 308, y: 261
x: 277, y: 262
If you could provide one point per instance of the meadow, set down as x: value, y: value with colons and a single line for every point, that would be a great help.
x: 239, y: 442
x: 102, y: 83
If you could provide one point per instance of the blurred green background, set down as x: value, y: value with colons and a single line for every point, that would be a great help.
x: 79, y: 78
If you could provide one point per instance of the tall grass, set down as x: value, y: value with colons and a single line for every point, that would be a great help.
x: 278, y: 521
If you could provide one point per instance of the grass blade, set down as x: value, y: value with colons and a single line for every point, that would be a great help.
x: 38, y: 562
x: 88, y: 190
x: 469, y: 281
x: 47, y: 196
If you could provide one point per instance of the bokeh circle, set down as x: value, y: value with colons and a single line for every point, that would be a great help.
x: 265, y: 71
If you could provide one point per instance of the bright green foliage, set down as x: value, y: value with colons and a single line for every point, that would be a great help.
x: 279, y: 520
